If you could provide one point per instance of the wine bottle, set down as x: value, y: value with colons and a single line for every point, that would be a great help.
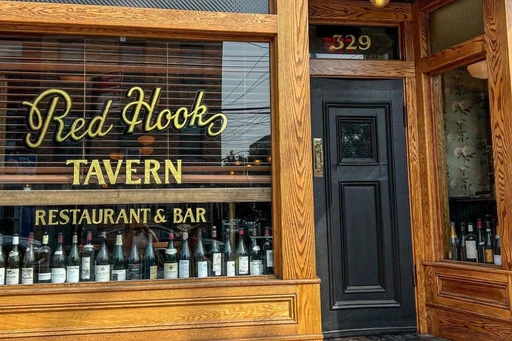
x: 489, y: 249
x: 462, y: 243
x: 200, y: 260
x: 58, y: 261
x: 73, y: 264
x: 28, y: 262
x: 454, y: 242
x: 256, y: 259
x: 118, y: 261
x: 88, y: 253
x: 497, y: 248
x: 43, y: 256
x: 184, y: 261
x: 134, y: 271
x: 242, y: 256
x: 102, y: 262
x: 230, y: 259
x: 215, y: 255
x: 150, y: 266
x: 12, y: 271
x: 480, y: 241
x: 268, y: 254
x: 471, y: 247
x: 171, y: 259
x: 2, y: 261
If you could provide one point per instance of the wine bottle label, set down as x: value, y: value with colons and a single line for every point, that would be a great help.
x: 230, y: 268
x: 153, y: 272
x: 119, y: 275
x: 171, y: 251
x: 489, y: 257
x: 256, y: 267
x: 58, y: 253
x: 270, y: 258
x: 202, y: 269
x: 243, y: 265
x: 58, y: 275
x: 134, y: 272
x: 184, y: 271
x: 86, y: 268
x: 27, y: 276
x: 13, y: 254
x: 12, y: 276
x: 73, y: 274
x: 471, y: 249
x: 217, y: 263
x: 170, y: 270
x: 102, y: 273
x: 44, y: 276
x: 256, y: 248
x: 2, y: 276
x: 497, y: 259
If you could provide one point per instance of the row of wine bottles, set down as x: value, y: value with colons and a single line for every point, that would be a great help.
x: 43, y: 266
x: 482, y: 247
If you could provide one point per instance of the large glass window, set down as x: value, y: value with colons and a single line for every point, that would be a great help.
x: 183, y: 126
x: 471, y: 225
x: 242, y: 6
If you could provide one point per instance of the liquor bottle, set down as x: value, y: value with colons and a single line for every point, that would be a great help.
x: 230, y: 259
x: 43, y: 256
x: 200, y: 260
x: 88, y: 253
x: 454, y: 243
x: 58, y: 261
x: 150, y: 266
x: 184, y: 262
x: 242, y: 256
x: 171, y: 259
x: 471, y: 248
x: 102, y: 262
x: 268, y: 254
x: 134, y: 271
x: 118, y: 261
x: 489, y: 250
x: 73, y: 264
x: 480, y: 241
x: 2, y: 261
x: 215, y: 255
x: 12, y: 271
x: 497, y: 248
x: 256, y: 259
x: 462, y: 243
x: 28, y: 262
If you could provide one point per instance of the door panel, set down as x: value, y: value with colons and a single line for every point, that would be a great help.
x: 361, y: 207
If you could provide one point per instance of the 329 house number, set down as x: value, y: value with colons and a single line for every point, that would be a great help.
x: 351, y: 42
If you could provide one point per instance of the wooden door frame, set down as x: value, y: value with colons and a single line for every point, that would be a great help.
x: 335, y: 12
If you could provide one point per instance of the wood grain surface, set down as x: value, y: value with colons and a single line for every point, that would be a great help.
x: 459, y: 55
x: 498, y: 39
x: 114, y: 20
x: 361, y: 68
x: 339, y: 12
x: 431, y: 5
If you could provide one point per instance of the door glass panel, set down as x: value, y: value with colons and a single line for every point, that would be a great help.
x: 242, y: 6
x: 357, y: 140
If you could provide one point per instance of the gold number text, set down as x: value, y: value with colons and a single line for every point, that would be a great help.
x: 364, y: 42
x: 352, y: 45
x: 339, y: 39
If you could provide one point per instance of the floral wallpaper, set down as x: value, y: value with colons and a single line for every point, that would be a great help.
x: 467, y: 136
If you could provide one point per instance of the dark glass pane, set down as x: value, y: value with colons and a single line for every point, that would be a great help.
x: 353, y: 42
x: 241, y: 6
x: 356, y: 140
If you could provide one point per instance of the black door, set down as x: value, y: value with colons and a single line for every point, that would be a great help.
x: 363, y: 235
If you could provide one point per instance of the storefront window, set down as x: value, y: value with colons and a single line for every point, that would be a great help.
x: 174, y: 135
x: 471, y: 228
x: 242, y: 6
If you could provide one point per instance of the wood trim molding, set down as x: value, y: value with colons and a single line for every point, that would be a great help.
x: 133, y: 196
x: 498, y: 38
x: 431, y: 5
x: 147, y: 22
x: 361, y: 68
x: 339, y: 12
x: 459, y: 55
